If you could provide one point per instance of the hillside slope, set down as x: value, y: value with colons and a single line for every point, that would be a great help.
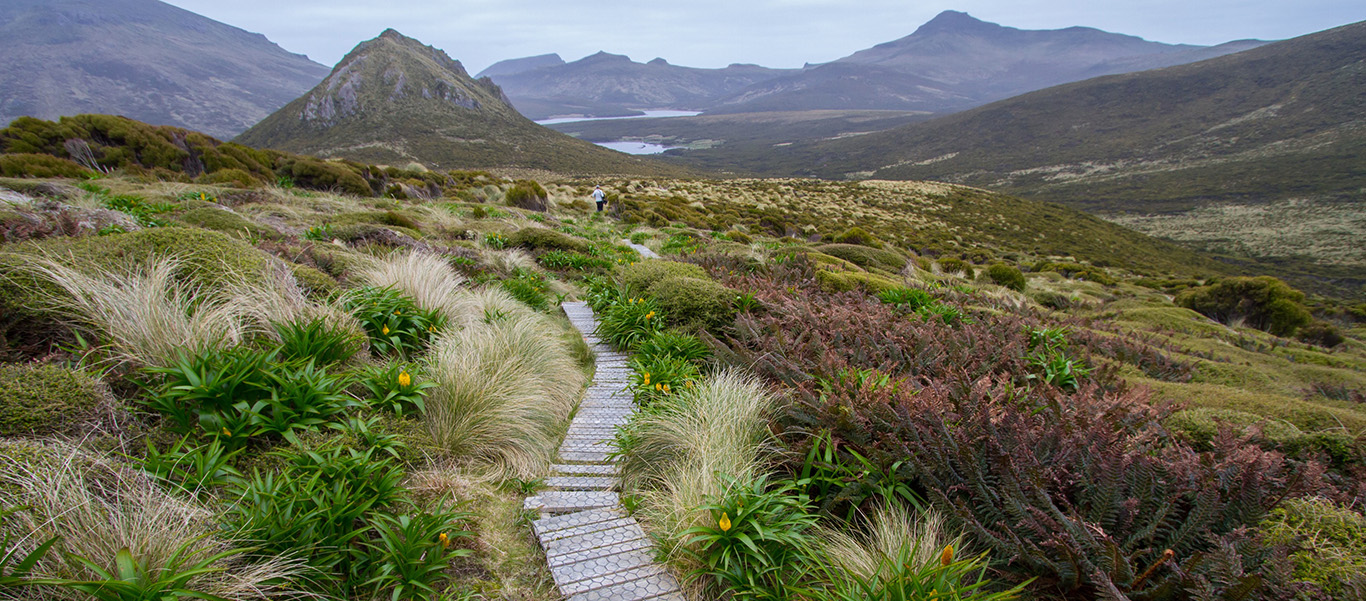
x: 393, y: 100
x: 143, y: 59
x: 1274, y: 122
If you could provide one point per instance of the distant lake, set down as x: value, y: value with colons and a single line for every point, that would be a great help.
x: 634, y: 147
x: 647, y: 115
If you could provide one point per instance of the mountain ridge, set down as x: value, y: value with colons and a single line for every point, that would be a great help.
x: 394, y: 100
x: 145, y: 59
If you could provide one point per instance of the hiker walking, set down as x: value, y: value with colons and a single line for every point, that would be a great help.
x: 599, y: 197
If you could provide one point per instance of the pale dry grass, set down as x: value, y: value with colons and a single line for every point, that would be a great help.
x: 99, y: 509
x: 277, y: 299
x: 505, y: 262
x: 145, y: 316
x: 892, y: 532
x: 423, y: 276
x: 685, y: 452
x: 503, y: 390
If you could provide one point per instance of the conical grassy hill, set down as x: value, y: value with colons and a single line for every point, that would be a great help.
x: 394, y: 100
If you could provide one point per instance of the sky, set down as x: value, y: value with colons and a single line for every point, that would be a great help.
x: 715, y: 33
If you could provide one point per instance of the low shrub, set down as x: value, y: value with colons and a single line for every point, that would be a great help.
x: 740, y: 237
x: 527, y: 194
x: 1263, y: 302
x: 1006, y: 275
x: 43, y: 399
x: 856, y: 235
x: 692, y: 303
x: 1321, y: 333
x: 231, y: 177
x: 642, y: 274
x: 865, y: 257
x: 326, y: 175
x: 956, y: 265
x: 40, y: 165
x: 225, y: 221
x: 848, y: 281
x: 540, y: 238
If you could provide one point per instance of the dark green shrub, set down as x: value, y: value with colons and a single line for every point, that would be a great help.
x: 320, y: 175
x: 1006, y: 275
x: 1263, y: 302
x: 540, y: 238
x: 738, y: 236
x: 856, y: 235
x: 1053, y: 300
x: 641, y: 275
x: 231, y: 177
x: 39, y: 165
x: 42, y: 399
x: 955, y: 265
x: 1076, y: 271
x: 1321, y: 333
x: 692, y: 303
x: 865, y: 257
x: 527, y: 194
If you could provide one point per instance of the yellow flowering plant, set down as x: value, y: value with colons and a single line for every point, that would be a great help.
x: 659, y: 376
x: 396, y: 326
x: 398, y: 387
x: 755, y: 542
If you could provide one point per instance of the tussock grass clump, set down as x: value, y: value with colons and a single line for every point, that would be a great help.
x: 146, y: 317
x: 688, y: 443
x: 893, y: 532
x: 99, y: 510
x: 424, y: 277
x: 501, y: 390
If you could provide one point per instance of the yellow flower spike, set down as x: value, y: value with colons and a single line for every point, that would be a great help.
x: 385, y: 330
x: 658, y: 386
x: 666, y: 389
x: 404, y: 379
x: 226, y: 431
x: 431, y: 329
x: 946, y: 557
x: 398, y: 312
x: 649, y: 315
x: 444, y: 540
x: 646, y: 380
x: 724, y: 522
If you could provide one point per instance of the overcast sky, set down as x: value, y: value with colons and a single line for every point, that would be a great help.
x: 714, y: 33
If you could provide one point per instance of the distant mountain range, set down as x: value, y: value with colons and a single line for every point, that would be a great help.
x: 143, y: 59
x: 393, y: 100
x: 613, y: 85
x: 951, y: 63
x: 1279, y: 121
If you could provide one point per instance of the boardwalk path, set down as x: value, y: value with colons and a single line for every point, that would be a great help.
x: 595, y: 550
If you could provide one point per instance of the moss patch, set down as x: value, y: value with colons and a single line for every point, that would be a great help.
x: 42, y: 399
x: 221, y: 220
x: 691, y: 303
x: 866, y: 257
x: 643, y: 274
x: 846, y: 281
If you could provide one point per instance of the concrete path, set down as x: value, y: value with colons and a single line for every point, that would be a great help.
x: 595, y: 550
x: 640, y: 248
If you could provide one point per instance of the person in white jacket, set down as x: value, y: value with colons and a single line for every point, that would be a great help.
x: 599, y: 197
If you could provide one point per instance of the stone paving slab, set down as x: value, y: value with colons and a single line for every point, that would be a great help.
x: 562, y: 501
x: 589, y: 528
x: 582, y: 482
x: 640, y: 544
x: 593, y: 540
x: 590, y: 569
x: 570, y: 520
x: 606, y: 580
x: 585, y: 456
x: 654, y: 588
x: 596, y: 470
